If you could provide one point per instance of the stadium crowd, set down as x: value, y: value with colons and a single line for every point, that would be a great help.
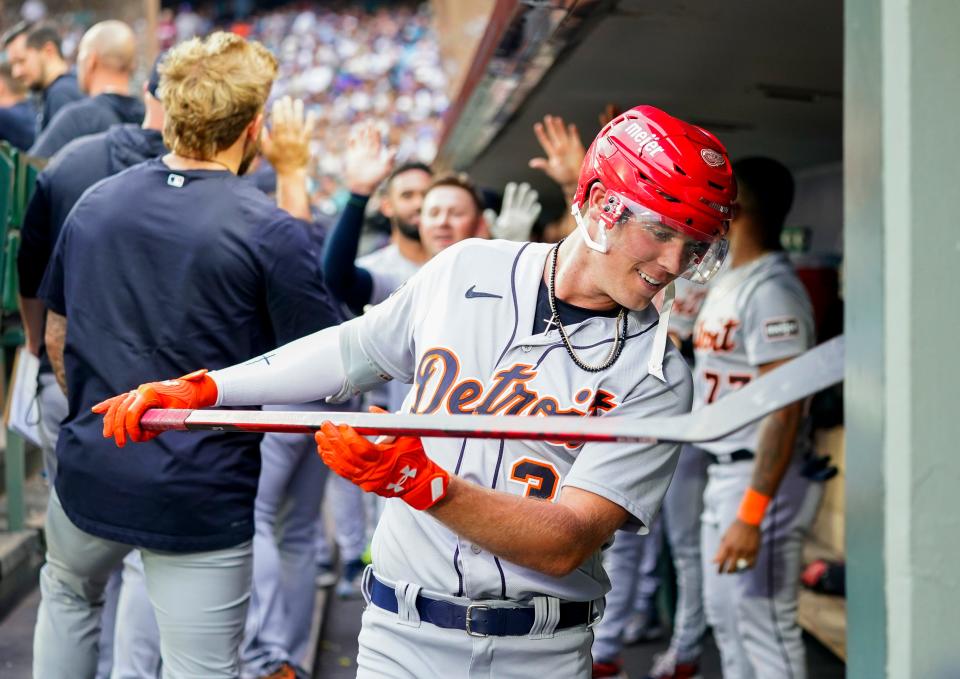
x: 197, y: 554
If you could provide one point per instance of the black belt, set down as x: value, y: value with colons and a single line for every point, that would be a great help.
x: 479, y: 620
x: 735, y: 456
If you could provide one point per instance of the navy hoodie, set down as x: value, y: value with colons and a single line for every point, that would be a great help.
x: 78, y: 166
x: 86, y: 116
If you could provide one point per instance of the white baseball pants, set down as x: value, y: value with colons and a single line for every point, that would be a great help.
x: 403, y: 647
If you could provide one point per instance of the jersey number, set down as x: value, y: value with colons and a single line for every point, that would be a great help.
x: 541, y: 478
x: 734, y: 381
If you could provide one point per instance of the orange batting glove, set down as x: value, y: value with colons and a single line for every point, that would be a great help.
x: 123, y: 412
x: 398, y: 469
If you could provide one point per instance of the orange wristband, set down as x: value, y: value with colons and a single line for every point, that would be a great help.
x: 752, y: 507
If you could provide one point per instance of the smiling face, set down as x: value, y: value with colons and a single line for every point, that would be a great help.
x: 643, y: 255
x: 449, y: 215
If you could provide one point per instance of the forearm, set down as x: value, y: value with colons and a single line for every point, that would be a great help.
x: 56, y: 338
x: 548, y: 537
x: 342, y: 276
x: 292, y: 193
x: 32, y: 312
x: 305, y: 370
x: 775, y: 444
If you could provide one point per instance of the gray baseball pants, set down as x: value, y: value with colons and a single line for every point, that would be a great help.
x: 631, y: 564
x: 53, y: 409
x: 200, y: 601
x: 754, y: 613
x: 286, y: 518
x: 682, y: 507
x: 136, y: 648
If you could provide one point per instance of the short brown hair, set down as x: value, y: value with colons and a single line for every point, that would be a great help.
x: 38, y: 35
x: 459, y: 180
x: 211, y: 89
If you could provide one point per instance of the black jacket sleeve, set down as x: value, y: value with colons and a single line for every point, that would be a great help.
x: 349, y: 283
x: 297, y: 300
x: 36, y: 239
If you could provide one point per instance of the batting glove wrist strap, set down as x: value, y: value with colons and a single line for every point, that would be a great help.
x: 397, y: 469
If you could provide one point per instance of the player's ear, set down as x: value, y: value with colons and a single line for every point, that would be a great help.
x: 595, y: 203
x: 386, y: 205
x: 256, y: 126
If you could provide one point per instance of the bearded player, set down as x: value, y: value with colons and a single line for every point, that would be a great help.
x: 488, y: 563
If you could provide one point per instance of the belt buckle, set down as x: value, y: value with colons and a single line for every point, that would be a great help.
x: 470, y: 609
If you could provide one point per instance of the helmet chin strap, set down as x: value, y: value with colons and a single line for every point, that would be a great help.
x: 598, y: 245
x: 660, y: 338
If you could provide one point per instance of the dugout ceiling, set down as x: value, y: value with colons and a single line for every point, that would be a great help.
x: 766, y: 77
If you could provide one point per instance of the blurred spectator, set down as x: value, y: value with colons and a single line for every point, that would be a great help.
x: 18, y: 117
x: 188, y: 23
x: 36, y: 60
x: 166, y: 30
x: 348, y: 65
x: 105, y: 65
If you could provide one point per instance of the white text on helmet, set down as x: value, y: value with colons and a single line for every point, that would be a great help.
x: 644, y: 139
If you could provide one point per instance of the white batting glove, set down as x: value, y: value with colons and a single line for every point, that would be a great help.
x: 518, y: 214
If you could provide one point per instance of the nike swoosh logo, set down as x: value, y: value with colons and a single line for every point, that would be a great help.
x: 473, y: 294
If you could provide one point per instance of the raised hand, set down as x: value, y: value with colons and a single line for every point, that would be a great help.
x: 287, y: 143
x: 367, y: 160
x: 518, y: 214
x: 564, y: 150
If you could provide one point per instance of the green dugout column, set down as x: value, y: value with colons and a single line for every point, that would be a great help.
x: 902, y: 284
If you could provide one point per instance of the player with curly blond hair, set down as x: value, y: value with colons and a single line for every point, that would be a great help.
x: 182, y: 258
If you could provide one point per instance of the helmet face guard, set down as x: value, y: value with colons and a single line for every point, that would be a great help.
x: 678, y: 171
x: 702, y: 256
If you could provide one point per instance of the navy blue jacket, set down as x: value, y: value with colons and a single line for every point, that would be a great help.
x: 18, y: 124
x: 87, y: 116
x: 160, y: 273
x: 78, y: 166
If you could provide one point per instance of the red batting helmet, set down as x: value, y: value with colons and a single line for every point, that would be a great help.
x: 678, y: 171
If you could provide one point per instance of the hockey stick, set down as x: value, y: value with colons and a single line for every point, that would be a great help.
x: 805, y: 375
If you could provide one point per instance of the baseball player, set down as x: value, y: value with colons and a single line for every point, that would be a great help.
x: 173, y: 258
x: 682, y: 506
x: 486, y: 561
x: 757, y: 503
x: 628, y: 560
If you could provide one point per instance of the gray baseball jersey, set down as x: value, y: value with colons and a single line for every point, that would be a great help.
x: 755, y: 314
x: 460, y: 331
x: 686, y: 305
x: 388, y: 269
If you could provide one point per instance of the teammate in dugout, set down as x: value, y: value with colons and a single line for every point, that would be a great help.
x: 472, y: 576
x: 758, y: 502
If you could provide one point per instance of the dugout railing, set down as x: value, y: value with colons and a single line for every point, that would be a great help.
x: 18, y: 177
